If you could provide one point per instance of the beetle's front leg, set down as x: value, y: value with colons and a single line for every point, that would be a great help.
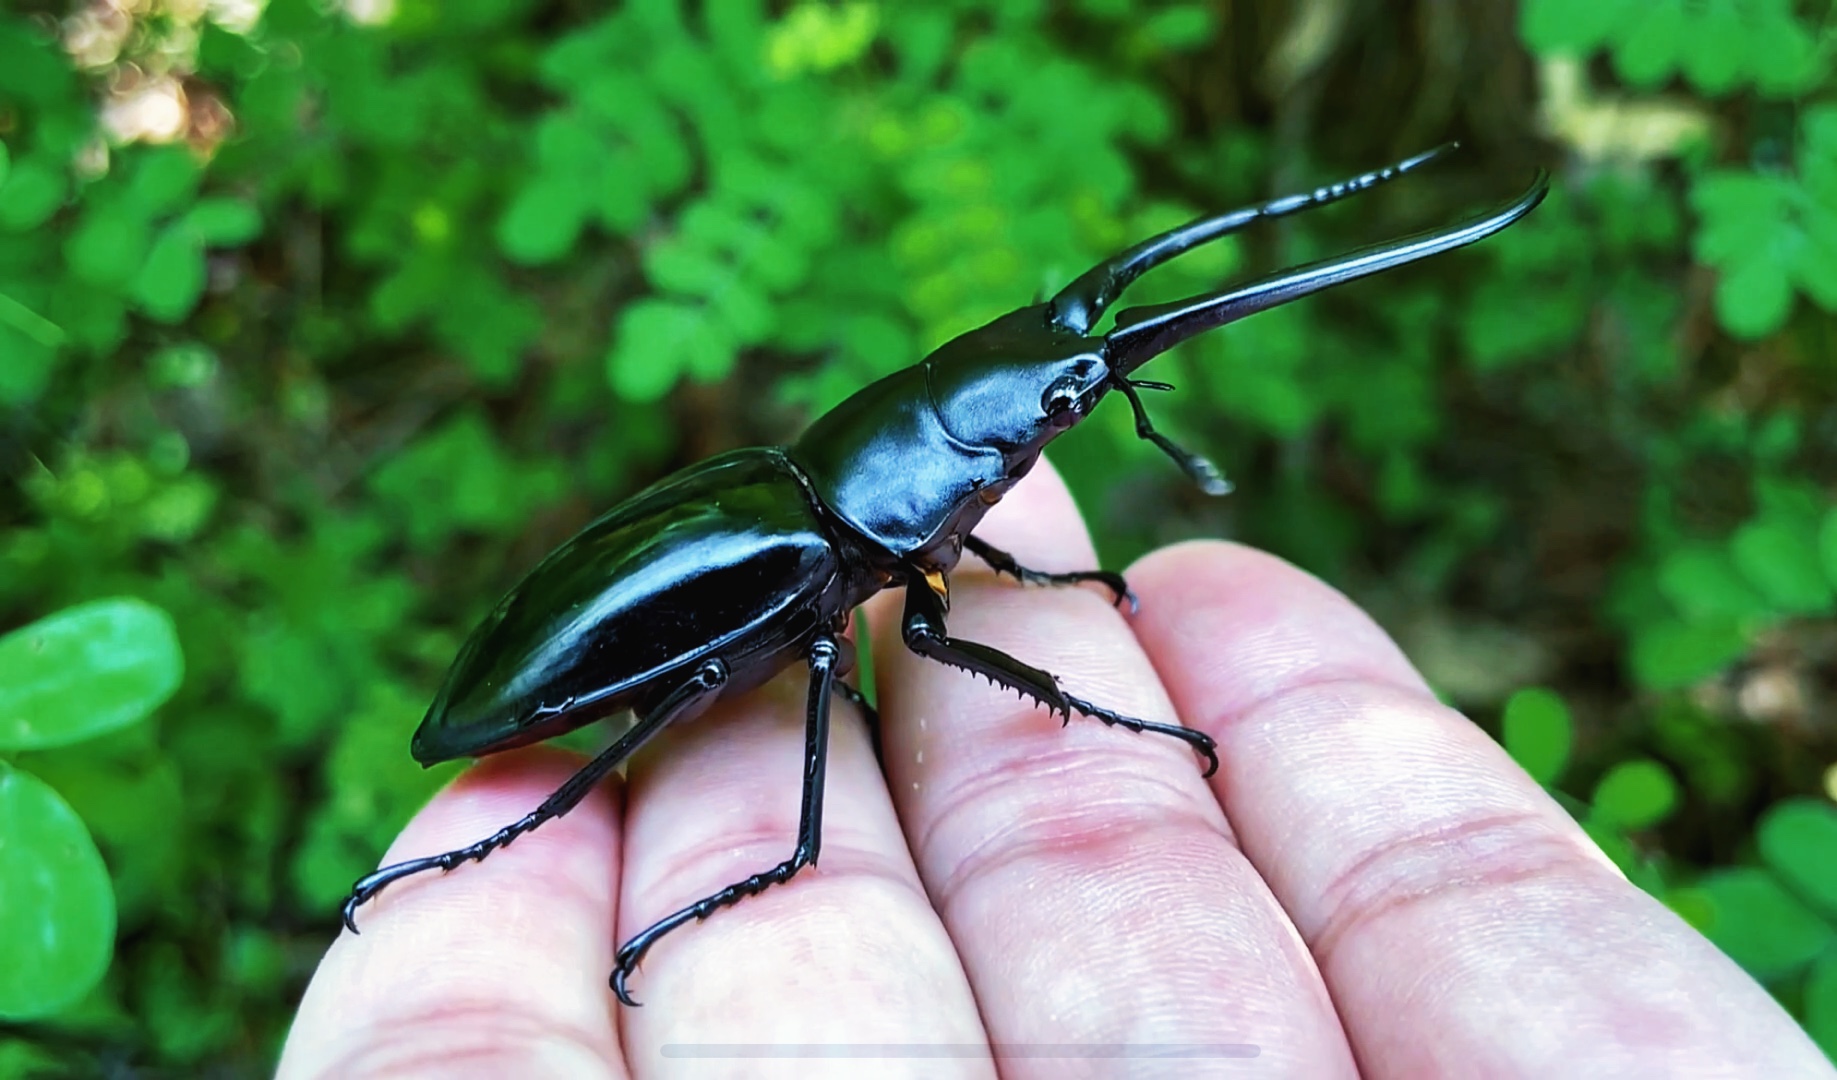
x: 1003, y: 563
x: 923, y: 628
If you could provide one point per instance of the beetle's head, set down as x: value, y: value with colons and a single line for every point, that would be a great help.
x: 1016, y: 383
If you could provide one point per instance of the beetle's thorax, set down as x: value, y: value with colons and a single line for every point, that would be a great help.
x: 913, y: 462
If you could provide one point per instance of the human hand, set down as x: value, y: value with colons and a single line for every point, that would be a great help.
x: 1367, y: 883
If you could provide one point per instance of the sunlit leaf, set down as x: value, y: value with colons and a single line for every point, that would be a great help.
x: 59, y: 929
x: 84, y: 671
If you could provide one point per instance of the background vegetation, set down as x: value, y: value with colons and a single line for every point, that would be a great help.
x: 321, y: 322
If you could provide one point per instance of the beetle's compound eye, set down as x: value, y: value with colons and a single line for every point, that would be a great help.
x: 1060, y: 397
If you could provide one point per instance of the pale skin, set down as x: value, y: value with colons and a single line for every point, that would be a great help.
x: 1368, y: 884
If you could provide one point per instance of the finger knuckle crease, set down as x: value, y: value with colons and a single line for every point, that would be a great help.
x: 1419, y: 869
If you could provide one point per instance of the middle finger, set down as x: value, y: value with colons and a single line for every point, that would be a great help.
x: 1087, y: 875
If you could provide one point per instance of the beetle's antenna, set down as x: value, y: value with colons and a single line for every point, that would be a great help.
x: 1142, y: 333
x: 1202, y: 472
x: 1079, y: 305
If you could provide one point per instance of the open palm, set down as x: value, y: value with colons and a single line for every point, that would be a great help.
x: 1368, y: 883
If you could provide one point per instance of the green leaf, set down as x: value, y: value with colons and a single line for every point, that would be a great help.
x: 1760, y: 925
x: 1715, y: 58
x: 34, y: 190
x: 165, y: 179
x: 59, y: 928
x: 1538, y: 733
x: 6, y: 163
x: 1702, y: 581
x: 108, y: 245
x: 489, y: 325
x: 1649, y: 51
x: 1783, y: 563
x: 172, y: 278
x: 458, y: 477
x: 1753, y: 298
x: 680, y: 265
x: 1636, y: 794
x: 660, y: 340
x: 1785, y: 58
x: 1827, y: 546
x: 84, y: 671
x: 1675, y: 654
x: 27, y: 368
x: 29, y: 345
x: 543, y: 221
x: 1572, y: 25
x: 223, y: 222
x: 1821, y: 1003
x: 1181, y: 28
x: 1798, y: 839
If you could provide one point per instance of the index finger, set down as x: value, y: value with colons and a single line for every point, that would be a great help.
x: 1462, y: 920
x: 496, y: 969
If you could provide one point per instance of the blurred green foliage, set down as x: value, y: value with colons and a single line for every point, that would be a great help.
x: 317, y: 330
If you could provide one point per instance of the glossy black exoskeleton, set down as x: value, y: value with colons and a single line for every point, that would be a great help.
x: 715, y: 579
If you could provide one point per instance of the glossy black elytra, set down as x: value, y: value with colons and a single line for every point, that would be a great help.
x: 716, y: 578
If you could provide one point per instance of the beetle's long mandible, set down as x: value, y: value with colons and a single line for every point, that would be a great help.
x: 1142, y: 333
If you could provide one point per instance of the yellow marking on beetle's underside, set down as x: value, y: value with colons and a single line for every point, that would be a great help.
x: 935, y: 579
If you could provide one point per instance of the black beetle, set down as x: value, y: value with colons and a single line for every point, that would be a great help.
x: 714, y: 579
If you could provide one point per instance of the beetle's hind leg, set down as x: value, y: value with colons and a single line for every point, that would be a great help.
x: 1003, y: 563
x: 923, y: 627
x: 707, y: 681
x: 825, y: 656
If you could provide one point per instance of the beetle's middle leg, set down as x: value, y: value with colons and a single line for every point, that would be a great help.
x: 706, y: 682
x: 923, y: 627
x: 1003, y: 563
x: 825, y: 656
